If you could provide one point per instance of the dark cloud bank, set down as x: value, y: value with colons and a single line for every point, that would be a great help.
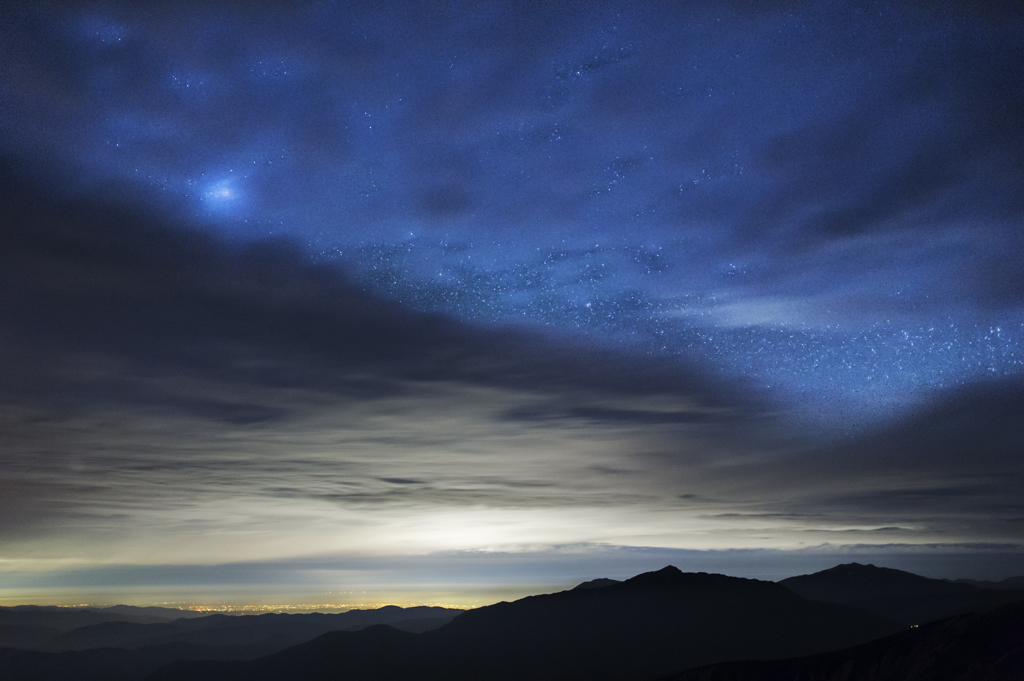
x: 91, y: 276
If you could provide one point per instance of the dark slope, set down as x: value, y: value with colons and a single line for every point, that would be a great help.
x: 110, y: 664
x: 902, y: 596
x: 975, y: 647
x: 27, y: 636
x: 654, y: 624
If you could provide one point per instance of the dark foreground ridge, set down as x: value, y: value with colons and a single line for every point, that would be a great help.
x: 976, y: 647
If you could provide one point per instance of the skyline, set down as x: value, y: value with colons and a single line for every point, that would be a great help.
x: 492, y: 297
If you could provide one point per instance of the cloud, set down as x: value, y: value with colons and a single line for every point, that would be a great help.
x: 94, y: 279
x: 168, y: 382
x: 171, y: 392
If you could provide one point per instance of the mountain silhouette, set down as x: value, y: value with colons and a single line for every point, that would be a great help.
x: 597, y: 583
x: 649, y: 626
x: 985, y: 646
x: 849, y: 622
x: 902, y: 596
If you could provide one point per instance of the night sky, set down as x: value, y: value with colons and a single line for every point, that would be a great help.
x: 443, y: 300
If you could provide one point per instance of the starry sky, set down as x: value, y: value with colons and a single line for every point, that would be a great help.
x: 441, y: 298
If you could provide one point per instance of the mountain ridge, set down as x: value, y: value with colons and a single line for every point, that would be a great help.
x: 905, y: 597
x: 630, y: 629
x: 653, y: 625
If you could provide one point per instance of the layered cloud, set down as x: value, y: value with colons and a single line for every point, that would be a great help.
x: 170, y: 399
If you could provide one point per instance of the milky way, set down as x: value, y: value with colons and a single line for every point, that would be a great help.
x: 825, y: 200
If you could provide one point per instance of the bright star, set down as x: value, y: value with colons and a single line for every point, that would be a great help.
x: 221, y: 191
x: 222, y: 196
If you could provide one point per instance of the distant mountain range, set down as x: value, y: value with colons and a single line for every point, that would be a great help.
x: 902, y: 596
x: 1009, y: 583
x: 32, y: 626
x: 128, y: 643
x: 656, y: 625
